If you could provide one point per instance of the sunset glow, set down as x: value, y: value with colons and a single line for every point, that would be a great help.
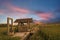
x: 23, y: 9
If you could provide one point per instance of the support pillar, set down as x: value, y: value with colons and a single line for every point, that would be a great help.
x: 18, y: 27
x: 28, y: 26
x: 10, y: 29
x: 8, y: 26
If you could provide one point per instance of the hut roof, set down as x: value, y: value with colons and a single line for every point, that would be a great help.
x: 25, y: 20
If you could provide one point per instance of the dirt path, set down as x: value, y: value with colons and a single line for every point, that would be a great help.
x: 25, y: 35
x: 22, y: 35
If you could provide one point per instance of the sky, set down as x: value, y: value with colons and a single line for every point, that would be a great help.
x: 42, y: 10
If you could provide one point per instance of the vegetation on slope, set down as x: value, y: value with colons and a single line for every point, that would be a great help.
x: 47, y: 32
x: 4, y: 36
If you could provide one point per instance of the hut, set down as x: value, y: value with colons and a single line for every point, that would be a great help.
x: 21, y: 24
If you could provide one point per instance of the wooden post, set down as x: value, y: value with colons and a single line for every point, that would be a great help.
x: 18, y: 27
x: 8, y: 25
x: 28, y: 25
x: 12, y: 25
x: 10, y: 29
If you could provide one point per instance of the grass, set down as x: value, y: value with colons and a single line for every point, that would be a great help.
x: 47, y: 32
x: 4, y: 36
x: 52, y: 31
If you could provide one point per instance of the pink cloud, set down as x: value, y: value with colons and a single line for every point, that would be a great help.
x: 16, y: 9
x: 1, y: 12
x: 12, y: 10
x: 45, y: 16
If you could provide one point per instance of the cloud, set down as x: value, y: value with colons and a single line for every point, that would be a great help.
x: 1, y: 12
x: 13, y: 8
x: 45, y: 16
x: 39, y: 12
x: 57, y: 10
x: 17, y: 11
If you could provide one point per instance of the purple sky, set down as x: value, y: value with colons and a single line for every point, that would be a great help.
x: 47, y: 10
